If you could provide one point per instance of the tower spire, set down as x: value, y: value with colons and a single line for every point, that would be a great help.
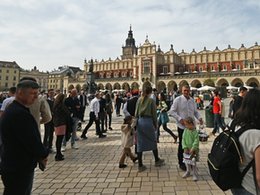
x: 129, y: 50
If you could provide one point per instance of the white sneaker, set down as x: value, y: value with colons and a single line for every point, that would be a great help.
x: 186, y: 174
x: 63, y: 148
x: 74, y: 146
x: 195, y: 177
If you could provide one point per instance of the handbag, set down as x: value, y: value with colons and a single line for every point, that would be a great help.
x: 163, y: 117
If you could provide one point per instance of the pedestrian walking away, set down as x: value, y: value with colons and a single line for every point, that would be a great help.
x: 146, y: 127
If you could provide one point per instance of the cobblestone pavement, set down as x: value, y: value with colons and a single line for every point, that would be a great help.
x: 93, y: 169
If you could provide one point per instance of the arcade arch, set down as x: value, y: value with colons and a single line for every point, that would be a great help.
x: 237, y: 82
x: 78, y: 87
x: 84, y: 87
x: 196, y: 83
x: 172, y: 86
x: 108, y: 87
x: 134, y: 86
x: 117, y: 86
x: 222, y: 83
x: 70, y: 87
x: 126, y: 87
x: 100, y: 86
x: 253, y: 82
x: 182, y: 83
x: 161, y: 86
x: 209, y: 82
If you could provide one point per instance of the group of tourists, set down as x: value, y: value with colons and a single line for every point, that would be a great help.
x: 22, y: 148
x: 141, y: 127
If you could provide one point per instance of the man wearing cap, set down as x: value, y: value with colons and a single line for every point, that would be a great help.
x: 40, y: 108
x: 21, y: 148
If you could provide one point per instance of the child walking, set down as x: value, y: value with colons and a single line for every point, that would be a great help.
x: 127, y: 139
x: 190, y: 144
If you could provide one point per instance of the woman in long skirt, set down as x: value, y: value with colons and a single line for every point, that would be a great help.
x: 146, y: 127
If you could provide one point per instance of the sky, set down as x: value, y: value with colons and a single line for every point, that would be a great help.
x: 52, y: 33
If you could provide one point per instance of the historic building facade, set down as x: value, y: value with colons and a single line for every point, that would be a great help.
x: 64, y: 78
x: 169, y: 70
x: 41, y: 77
x: 9, y: 75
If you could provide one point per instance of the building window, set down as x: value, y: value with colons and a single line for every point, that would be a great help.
x: 165, y: 69
x: 124, y: 74
x: 7, y: 71
x: 147, y: 67
x: 14, y: 78
x: 6, y: 78
x: 225, y: 67
x: 238, y: 67
x: 6, y: 84
x: 14, y: 71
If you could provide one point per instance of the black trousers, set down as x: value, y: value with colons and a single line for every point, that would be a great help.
x: 109, y: 117
x: 180, y: 149
x: 92, y: 119
x: 102, y: 118
x: 48, y: 134
x: 165, y: 128
x: 18, y: 183
x: 82, y: 113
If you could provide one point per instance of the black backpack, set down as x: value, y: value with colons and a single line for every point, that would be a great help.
x: 225, y: 157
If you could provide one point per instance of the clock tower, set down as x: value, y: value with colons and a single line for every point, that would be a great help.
x: 129, y: 50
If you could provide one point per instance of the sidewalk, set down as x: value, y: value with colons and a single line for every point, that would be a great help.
x: 93, y: 169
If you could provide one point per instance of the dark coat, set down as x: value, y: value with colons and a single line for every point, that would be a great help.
x: 61, y: 115
x: 21, y: 141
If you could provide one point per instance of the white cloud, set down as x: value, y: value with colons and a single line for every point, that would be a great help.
x: 48, y: 33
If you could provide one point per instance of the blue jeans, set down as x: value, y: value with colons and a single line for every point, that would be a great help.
x: 75, y: 121
x: 18, y: 183
x: 240, y: 191
x: 217, y: 123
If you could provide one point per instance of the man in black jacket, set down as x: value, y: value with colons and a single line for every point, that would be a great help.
x: 73, y: 105
x: 83, y: 103
x: 102, y: 113
x: 21, y: 146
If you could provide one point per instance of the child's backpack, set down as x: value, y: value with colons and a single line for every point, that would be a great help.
x: 225, y: 157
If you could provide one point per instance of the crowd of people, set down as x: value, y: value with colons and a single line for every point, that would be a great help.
x: 144, y: 113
